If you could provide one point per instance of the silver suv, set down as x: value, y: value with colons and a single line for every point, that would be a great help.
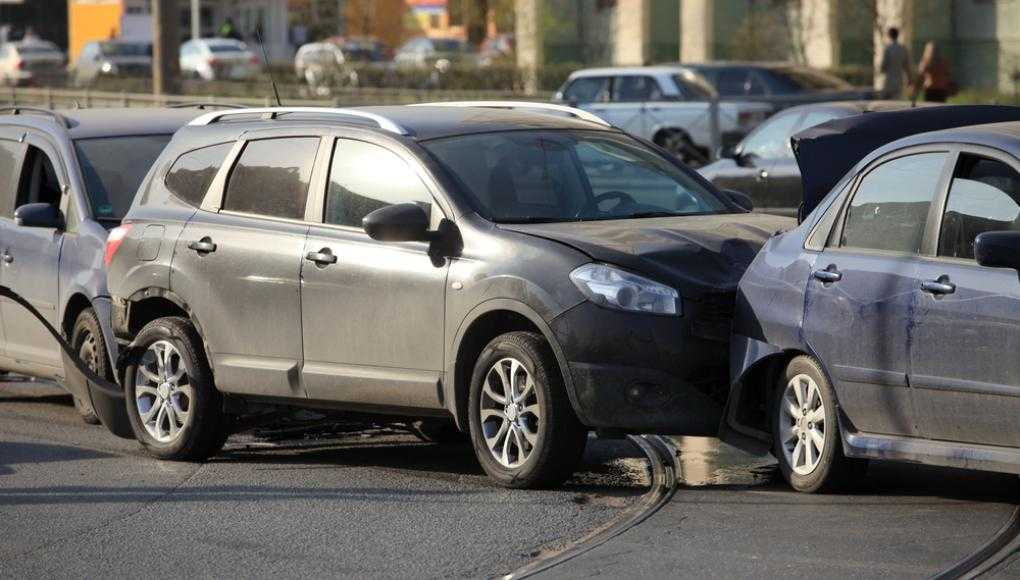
x: 521, y: 275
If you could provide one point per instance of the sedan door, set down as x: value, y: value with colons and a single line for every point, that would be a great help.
x: 857, y: 316
x: 31, y: 259
x: 965, y: 357
x: 372, y: 312
x: 238, y: 268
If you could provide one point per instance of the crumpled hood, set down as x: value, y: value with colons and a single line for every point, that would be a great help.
x: 696, y: 254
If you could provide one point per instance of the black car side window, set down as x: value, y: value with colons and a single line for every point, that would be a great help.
x: 193, y: 172
x: 39, y: 182
x: 271, y: 177
x: 984, y: 196
x: 10, y: 156
x: 890, y: 208
x: 364, y: 177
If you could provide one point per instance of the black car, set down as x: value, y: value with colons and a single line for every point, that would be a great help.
x: 887, y: 325
x: 782, y: 84
x: 522, y: 275
x: 763, y: 165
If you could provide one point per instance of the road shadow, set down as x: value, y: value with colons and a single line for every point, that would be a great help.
x: 13, y: 453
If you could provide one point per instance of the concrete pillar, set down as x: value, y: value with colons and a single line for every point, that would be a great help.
x: 631, y: 32
x: 530, y: 42
x: 697, y: 30
x: 898, y: 13
x: 817, y: 34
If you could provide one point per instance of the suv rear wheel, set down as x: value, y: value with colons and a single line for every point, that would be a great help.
x: 175, y: 411
x: 523, y: 428
x: 806, y: 433
x: 87, y: 341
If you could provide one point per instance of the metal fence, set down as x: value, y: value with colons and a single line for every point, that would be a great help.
x: 84, y: 98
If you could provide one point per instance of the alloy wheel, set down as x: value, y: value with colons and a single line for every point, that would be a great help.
x: 802, y: 424
x: 88, y: 351
x: 510, y: 413
x: 163, y: 392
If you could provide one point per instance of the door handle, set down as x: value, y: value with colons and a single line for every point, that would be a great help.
x: 829, y: 275
x: 322, y: 258
x: 8, y: 258
x: 203, y: 246
x: 938, y: 287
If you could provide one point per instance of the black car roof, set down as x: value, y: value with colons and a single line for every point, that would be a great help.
x: 86, y: 123
x: 827, y: 151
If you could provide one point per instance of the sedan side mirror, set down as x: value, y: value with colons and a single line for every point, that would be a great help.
x: 998, y: 249
x: 39, y: 215
x: 741, y: 199
x: 403, y: 222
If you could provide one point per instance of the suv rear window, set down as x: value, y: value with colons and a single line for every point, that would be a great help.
x: 193, y: 172
x: 271, y: 177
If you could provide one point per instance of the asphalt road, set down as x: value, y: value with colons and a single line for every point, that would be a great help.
x: 75, y: 501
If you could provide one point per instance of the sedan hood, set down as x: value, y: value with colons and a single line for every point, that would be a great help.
x: 696, y: 254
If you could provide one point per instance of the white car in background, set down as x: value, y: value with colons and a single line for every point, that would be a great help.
x: 215, y: 59
x: 30, y: 62
x: 664, y: 104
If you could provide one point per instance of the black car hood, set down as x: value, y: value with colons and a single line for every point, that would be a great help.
x: 697, y: 254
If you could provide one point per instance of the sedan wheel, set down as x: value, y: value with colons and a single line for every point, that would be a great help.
x: 802, y: 426
x: 509, y: 412
x: 163, y: 392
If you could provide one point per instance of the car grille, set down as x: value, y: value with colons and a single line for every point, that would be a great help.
x: 713, y: 318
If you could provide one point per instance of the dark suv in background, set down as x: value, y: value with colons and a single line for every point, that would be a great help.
x: 525, y: 275
x: 66, y: 178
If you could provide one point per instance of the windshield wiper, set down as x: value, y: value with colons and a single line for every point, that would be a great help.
x: 533, y: 220
x: 651, y: 214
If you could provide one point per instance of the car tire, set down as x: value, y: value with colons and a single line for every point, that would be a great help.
x: 533, y: 439
x: 442, y: 431
x: 87, y: 341
x: 806, y: 432
x: 174, y: 408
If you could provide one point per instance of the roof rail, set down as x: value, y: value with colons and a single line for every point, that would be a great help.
x: 271, y: 113
x: 205, y: 105
x: 572, y: 111
x: 39, y: 111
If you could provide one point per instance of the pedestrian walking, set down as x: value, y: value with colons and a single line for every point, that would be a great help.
x: 934, y: 75
x: 895, y: 67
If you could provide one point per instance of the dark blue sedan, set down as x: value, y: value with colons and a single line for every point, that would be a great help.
x: 887, y: 325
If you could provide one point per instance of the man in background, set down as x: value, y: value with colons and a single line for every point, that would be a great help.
x: 895, y: 68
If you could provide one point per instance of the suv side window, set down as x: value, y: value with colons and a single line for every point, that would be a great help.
x: 10, y: 156
x: 587, y: 90
x: 365, y: 177
x: 271, y: 177
x: 191, y: 175
x: 984, y: 196
x: 39, y: 182
x: 636, y: 89
x: 890, y: 208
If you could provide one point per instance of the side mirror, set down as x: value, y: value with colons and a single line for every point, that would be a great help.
x: 403, y: 222
x: 39, y: 215
x: 998, y: 249
x: 728, y: 152
x: 743, y: 159
x: 741, y: 199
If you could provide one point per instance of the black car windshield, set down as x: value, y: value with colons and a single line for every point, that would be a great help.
x: 113, y: 168
x: 802, y: 79
x: 559, y: 175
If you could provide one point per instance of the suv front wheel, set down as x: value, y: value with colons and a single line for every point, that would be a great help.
x: 174, y: 409
x: 523, y: 428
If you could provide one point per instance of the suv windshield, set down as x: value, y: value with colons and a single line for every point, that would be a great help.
x: 553, y: 176
x: 113, y: 168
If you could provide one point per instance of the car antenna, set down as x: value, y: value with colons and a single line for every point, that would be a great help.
x: 269, y: 69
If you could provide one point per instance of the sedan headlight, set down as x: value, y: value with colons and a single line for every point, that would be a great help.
x: 614, y: 288
x: 108, y: 67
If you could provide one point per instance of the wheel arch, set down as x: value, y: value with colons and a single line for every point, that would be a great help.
x: 152, y: 303
x: 485, y: 322
x: 77, y: 303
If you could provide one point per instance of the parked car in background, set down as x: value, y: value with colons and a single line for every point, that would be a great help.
x: 66, y: 179
x: 332, y: 64
x: 763, y: 165
x: 214, y: 59
x: 887, y: 325
x: 664, y: 104
x: 31, y: 62
x: 425, y: 52
x: 499, y: 48
x: 782, y: 84
x: 541, y: 276
x: 112, y: 58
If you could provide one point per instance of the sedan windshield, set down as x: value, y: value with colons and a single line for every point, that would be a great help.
x: 113, y: 168
x: 553, y: 176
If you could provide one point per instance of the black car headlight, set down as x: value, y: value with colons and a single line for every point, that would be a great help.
x: 615, y: 288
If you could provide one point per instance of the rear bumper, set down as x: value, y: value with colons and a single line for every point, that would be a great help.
x: 642, y: 373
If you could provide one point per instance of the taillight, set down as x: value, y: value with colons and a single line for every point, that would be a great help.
x: 19, y: 64
x: 113, y: 242
x: 211, y: 62
x: 253, y: 60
